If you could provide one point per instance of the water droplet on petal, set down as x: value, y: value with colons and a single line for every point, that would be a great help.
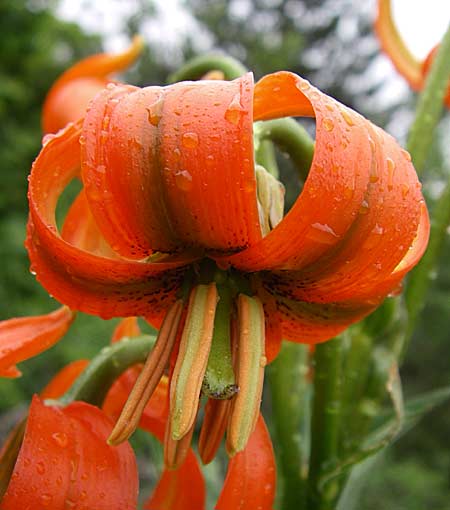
x: 40, y: 467
x: 364, y: 209
x: 346, y: 115
x: 46, y: 499
x: 60, y: 439
x: 234, y: 111
x: 183, y: 180
x: 328, y: 124
x: 189, y: 140
x: 405, y: 190
x: 391, y: 168
x: 322, y: 233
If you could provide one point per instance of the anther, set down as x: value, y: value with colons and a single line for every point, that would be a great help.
x: 149, y: 378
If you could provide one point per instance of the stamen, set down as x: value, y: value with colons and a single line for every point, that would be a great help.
x: 270, y: 193
x: 148, y: 379
x: 250, y: 373
x: 192, y: 359
x: 175, y: 451
x: 213, y: 428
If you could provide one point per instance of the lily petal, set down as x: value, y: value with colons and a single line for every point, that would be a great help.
x: 373, y: 202
x: 70, y: 94
x: 24, y: 337
x: 186, y: 177
x: 64, y: 461
x: 250, y: 480
x: 83, y: 280
x: 393, y: 44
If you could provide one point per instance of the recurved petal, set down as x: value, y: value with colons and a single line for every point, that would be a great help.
x: 395, y: 47
x: 312, y: 323
x: 358, y: 214
x: 24, y: 337
x: 251, y: 475
x: 86, y: 281
x: 70, y: 94
x: 65, y: 462
x: 167, y: 168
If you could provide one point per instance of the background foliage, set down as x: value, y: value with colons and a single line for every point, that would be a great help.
x: 329, y: 42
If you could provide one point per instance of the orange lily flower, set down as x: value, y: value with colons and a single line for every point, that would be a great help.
x: 70, y: 94
x: 170, y: 208
x: 392, y: 43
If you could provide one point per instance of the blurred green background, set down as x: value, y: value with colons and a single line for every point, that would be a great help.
x: 329, y: 42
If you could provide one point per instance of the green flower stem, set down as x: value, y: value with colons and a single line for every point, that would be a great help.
x: 420, y: 278
x: 291, y: 138
x: 199, y: 66
x: 95, y: 381
x: 325, y: 424
x: 430, y: 105
x: 265, y: 156
x: 289, y: 387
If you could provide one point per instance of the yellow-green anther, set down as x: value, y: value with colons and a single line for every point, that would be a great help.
x: 192, y: 358
x: 219, y: 381
x: 251, y: 361
x: 270, y: 193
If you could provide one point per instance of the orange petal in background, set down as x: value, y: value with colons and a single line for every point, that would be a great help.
x: 70, y: 94
x: 24, y: 337
x: 64, y: 379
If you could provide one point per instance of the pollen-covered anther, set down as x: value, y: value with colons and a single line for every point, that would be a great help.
x: 270, y: 193
x: 192, y: 359
x: 250, y: 364
x: 149, y: 378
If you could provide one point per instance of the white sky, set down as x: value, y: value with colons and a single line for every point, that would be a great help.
x: 422, y: 23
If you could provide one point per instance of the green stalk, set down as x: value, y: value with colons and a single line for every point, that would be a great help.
x: 291, y: 138
x: 420, y: 278
x: 325, y: 424
x: 289, y: 387
x: 199, y: 66
x: 431, y: 103
x: 95, y: 381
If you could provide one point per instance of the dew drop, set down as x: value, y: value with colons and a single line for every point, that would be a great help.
x: 364, y: 209
x: 406, y: 154
x: 40, y: 467
x: 405, y: 190
x: 303, y: 85
x: 378, y: 230
x: 391, y: 168
x: 47, y: 138
x: 347, y: 117
x: 60, y: 439
x: 46, y: 499
x: 322, y: 233
x: 328, y: 124
x: 189, y: 140
x: 234, y: 111
x: 183, y: 180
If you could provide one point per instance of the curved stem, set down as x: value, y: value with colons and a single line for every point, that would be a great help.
x: 287, y: 375
x: 95, y: 381
x: 199, y: 66
x: 430, y: 105
x: 325, y: 424
x: 290, y: 137
x: 420, y: 278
